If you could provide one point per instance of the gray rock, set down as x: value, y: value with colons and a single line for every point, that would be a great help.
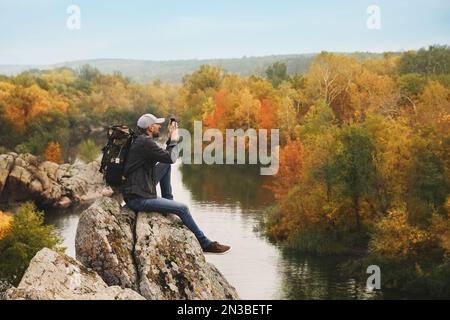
x: 55, y: 276
x: 24, y: 177
x: 171, y: 262
x: 6, y: 165
x: 104, y: 242
x: 160, y: 257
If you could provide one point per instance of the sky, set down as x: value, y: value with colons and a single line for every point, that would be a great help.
x: 36, y: 31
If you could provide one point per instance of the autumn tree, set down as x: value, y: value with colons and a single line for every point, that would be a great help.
x: 433, y: 108
x: 291, y: 169
x: 370, y: 93
x: 5, y: 223
x: 53, y: 153
x: 330, y: 77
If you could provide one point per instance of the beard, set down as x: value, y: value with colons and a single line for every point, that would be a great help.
x: 155, y: 134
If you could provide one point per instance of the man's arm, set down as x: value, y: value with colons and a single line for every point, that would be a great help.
x: 155, y: 153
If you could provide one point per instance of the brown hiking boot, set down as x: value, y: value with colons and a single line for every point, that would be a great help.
x: 217, y: 248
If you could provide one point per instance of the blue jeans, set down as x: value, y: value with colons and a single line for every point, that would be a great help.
x: 166, y: 204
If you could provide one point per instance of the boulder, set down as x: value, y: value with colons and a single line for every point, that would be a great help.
x: 171, y: 262
x: 154, y: 254
x: 104, y: 242
x: 55, y: 276
x: 6, y: 165
x: 24, y: 177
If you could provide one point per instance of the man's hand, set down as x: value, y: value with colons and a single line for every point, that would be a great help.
x: 172, y: 127
x: 173, y: 132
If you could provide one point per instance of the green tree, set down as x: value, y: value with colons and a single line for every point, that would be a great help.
x: 411, y: 84
x: 207, y: 77
x: 27, y: 236
x: 351, y: 172
x: 427, y: 186
x: 88, y: 73
x: 277, y: 73
x: 434, y: 60
x: 88, y: 151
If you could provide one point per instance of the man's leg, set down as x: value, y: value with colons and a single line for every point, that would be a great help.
x: 162, y: 176
x: 170, y: 206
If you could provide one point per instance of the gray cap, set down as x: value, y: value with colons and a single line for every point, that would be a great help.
x: 147, y: 120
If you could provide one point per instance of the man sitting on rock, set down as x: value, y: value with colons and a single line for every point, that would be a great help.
x: 147, y: 165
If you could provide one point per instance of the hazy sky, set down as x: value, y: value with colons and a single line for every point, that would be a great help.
x: 35, y: 31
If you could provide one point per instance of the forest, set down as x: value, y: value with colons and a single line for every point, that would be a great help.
x: 365, y: 146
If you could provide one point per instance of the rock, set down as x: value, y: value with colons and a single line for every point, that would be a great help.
x: 155, y: 255
x: 171, y: 262
x: 6, y: 165
x: 55, y: 276
x: 24, y: 177
x: 104, y: 242
x: 64, y: 202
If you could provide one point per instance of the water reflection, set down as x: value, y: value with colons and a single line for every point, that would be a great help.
x: 227, y: 185
x: 311, y: 277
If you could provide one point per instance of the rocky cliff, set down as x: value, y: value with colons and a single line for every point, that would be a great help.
x: 121, y: 255
x: 24, y: 177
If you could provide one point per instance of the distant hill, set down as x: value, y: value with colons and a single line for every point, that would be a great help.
x: 173, y: 71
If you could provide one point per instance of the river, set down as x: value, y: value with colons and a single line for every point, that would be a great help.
x: 227, y: 203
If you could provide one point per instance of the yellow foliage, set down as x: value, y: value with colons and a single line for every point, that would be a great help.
x: 395, y: 238
x: 371, y: 92
x: 5, y: 223
x: 23, y: 104
x: 434, y: 106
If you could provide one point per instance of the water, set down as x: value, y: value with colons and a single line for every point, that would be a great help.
x: 227, y: 203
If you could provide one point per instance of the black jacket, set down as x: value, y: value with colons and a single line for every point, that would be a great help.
x: 140, y: 164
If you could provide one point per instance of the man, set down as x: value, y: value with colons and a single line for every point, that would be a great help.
x: 147, y: 165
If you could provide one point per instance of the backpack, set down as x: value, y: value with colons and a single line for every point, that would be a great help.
x: 120, y: 138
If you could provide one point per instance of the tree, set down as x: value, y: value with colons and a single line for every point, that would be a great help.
x: 26, y: 237
x: 411, y: 84
x: 53, y: 153
x: 286, y: 115
x: 291, y: 169
x: 370, y: 92
x: 207, y: 77
x: 395, y: 238
x: 5, y: 223
x: 88, y: 73
x: 246, y: 115
x: 23, y: 104
x: 277, y: 73
x: 330, y: 77
x: 351, y: 171
x: 427, y: 186
x: 434, y: 60
x: 88, y: 151
x: 433, y: 108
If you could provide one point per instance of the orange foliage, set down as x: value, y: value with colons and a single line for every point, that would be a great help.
x: 53, y: 152
x: 25, y: 103
x: 267, y: 117
x: 212, y: 120
x: 290, y: 170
